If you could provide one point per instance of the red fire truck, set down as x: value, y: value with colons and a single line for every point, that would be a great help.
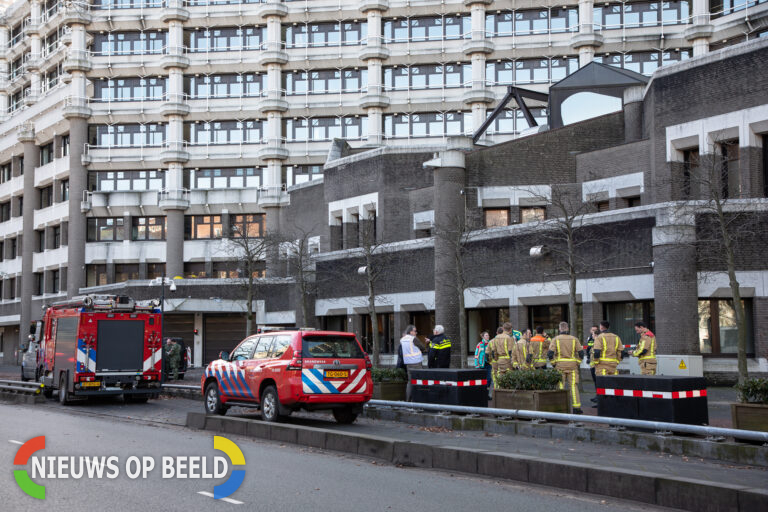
x: 98, y: 345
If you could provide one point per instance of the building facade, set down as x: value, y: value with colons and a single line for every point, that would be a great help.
x: 135, y: 134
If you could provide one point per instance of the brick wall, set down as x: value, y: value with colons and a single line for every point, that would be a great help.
x: 615, y: 161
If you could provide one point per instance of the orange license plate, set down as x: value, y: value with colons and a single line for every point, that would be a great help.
x: 336, y: 374
x: 90, y: 384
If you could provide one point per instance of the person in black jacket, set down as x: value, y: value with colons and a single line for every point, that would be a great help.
x: 439, y: 355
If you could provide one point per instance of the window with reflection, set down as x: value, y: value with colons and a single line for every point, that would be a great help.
x: 127, y: 4
x: 717, y: 326
x: 532, y: 213
x: 427, y: 76
x: 148, y: 228
x: 495, y: 217
x: 311, y: 35
x: 126, y: 272
x: 427, y: 28
x: 234, y: 85
x: 324, y: 81
x: 129, y: 43
x: 202, y: 227
x: 325, y: 128
x: 248, y: 226
x: 644, y: 62
x: 129, y: 89
x: 510, y: 72
x: 296, y: 174
x: 427, y: 124
x: 95, y: 275
x: 126, y: 135
x: 110, y: 181
x: 104, y: 229
x: 228, y: 177
x: 641, y: 14
x: 224, y: 39
x: 525, y: 22
x: 224, y: 132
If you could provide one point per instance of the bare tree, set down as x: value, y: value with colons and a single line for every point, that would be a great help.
x: 372, y: 270
x: 299, y: 249
x: 713, y: 191
x: 249, y: 245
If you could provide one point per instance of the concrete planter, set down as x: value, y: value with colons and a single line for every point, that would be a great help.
x: 750, y: 416
x: 389, y: 391
x: 549, y: 401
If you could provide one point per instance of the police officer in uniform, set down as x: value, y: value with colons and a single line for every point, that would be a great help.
x: 607, y: 351
x: 646, y: 349
x: 566, y: 354
x: 439, y: 355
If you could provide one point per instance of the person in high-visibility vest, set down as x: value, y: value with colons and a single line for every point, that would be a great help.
x: 538, y: 349
x: 566, y: 354
x: 646, y: 349
x: 607, y: 351
x: 439, y: 355
x: 499, y: 352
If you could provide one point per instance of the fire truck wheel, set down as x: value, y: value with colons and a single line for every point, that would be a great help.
x: 344, y: 416
x: 213, y: 403
x: 63, y: 393
x: 270, y: 405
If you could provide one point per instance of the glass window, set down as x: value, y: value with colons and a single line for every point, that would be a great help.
x: 431, y: 28
x: 495, y: 217
x: 105, y: 229
x: 95, y: 275
x: 623, y: 315
x: 250, y: 225
x: 244, y: 350
x: 325, y: 34
x: 262, y: 348
x: 148, y: 228
x: 549, y: 316
x: 717, y: 326
x: 108, y: 181
x: 202, y: 227
x: 532, y: 213
x: 228, y: 177
x: 126, y: 272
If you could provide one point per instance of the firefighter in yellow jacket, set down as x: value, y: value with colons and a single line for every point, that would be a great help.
x: 607, y: 351
x: 646, y: 349
x: 566, y: 354
x: 500, y: 351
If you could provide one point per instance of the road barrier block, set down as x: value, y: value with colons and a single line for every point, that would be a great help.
x: 455, y: 458
x: 631, y: 485
x: 372, y: 446
x: 410, y: 454
x: 569, y: 475
x: 502, y: 465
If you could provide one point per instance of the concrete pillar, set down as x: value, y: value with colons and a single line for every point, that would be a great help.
x: 633, y: 113
x: 4, y: 39
x: 675, y: 286
x: 174, y: 243
x: 449, y: 182
x: 26, y: 135
x: 700, y: 30
x: 592, y: 314
x: 374, y: 54
x: 402, y: 319
x: 76, y: 229
x: 586, y: 40
x: 272, y: 228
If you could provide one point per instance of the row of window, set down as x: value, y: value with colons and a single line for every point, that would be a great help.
x: 96, y: 274
x: 213, y: 178
x: 196, y: 227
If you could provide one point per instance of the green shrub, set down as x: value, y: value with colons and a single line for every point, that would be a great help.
x: 753, y: 391
x: 388, y: 375
x: 538, y: 380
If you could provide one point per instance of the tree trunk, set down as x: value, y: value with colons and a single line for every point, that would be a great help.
x: 374, y: 324
x: 463, y: 349
x: 738, y: 307
x: 572, y: 316
x: 249, y: 307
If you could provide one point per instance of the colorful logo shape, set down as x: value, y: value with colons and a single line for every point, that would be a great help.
x: 22, y: 477
x: 237, y: 476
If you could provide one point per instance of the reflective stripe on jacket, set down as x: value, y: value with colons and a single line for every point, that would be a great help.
x: 411, y: 353
x: 647, y: 343
x: 538, y: 343
x: 561, y: 349
x: 610, y: 346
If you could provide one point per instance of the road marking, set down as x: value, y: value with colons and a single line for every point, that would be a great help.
x: 228, y: 500
x: 14, y: 441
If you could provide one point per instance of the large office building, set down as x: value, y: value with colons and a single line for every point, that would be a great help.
x: 136, y: 135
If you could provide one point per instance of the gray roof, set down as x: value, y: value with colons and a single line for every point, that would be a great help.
x: 595, y: 75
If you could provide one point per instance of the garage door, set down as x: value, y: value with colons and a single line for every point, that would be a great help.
x: 222, y: 332
x: 180, y: 326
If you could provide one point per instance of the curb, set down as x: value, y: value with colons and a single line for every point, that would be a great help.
x: 681, y: 493
x: 726, y: 451
x: 22, y: 398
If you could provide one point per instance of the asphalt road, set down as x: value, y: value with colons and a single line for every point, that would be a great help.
x: 277, y: 478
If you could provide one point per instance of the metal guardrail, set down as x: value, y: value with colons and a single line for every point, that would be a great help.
x: 20, y: 387
x: 713, y: 433
x: 183, y: 387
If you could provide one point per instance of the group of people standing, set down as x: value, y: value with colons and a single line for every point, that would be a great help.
x: 513, y: 350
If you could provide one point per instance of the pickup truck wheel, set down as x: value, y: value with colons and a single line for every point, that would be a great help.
x: 344, y: 416
x: 212, y: 399
x: 23, y: 378
x: 270, y: 405
x: 63, y: 393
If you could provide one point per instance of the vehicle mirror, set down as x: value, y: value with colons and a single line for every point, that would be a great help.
x: 224, y: 355
x: 23, y: 348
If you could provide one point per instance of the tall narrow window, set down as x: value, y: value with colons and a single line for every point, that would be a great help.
x: 729, y: 177
x: 690, y: 164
